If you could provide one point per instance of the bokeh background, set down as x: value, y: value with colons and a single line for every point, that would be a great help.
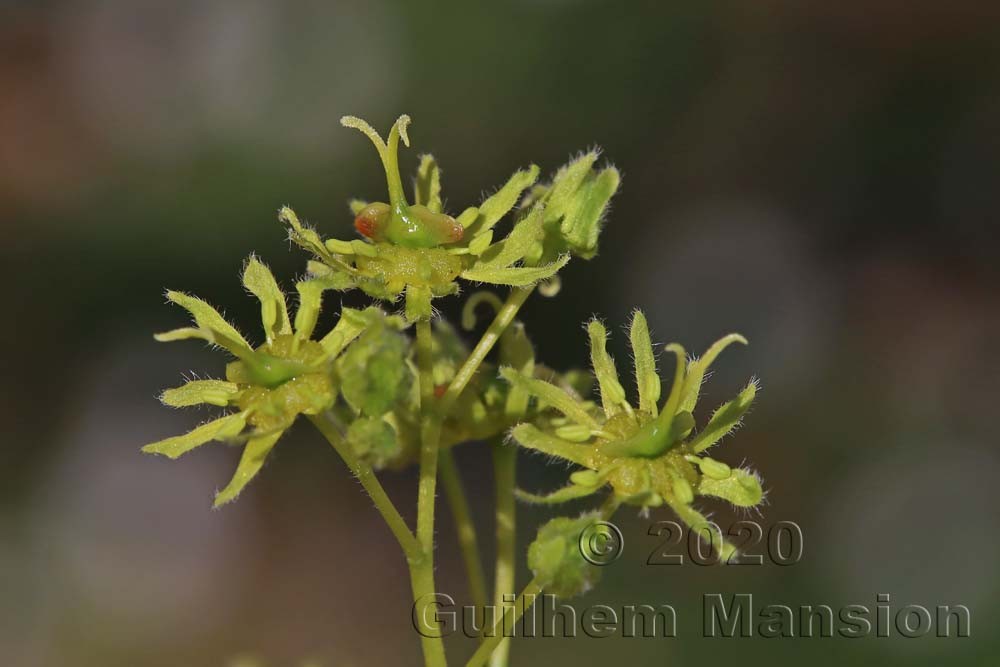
x: 820, y: 176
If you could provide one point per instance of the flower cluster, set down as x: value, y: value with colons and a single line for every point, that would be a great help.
x: 420, y: 251
x: 387, y: 390
x: 646, y: 454
x: 267, y: 386
x: 362, y: 374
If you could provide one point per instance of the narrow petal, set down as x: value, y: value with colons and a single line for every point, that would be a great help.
x: 197, y: 392
x: 523, y: 241
x: 698, y: 367
x: 219, y: 429
x: 741, y: 488
x: 612, y: 392
x: 183, y: 333
x: 646, y: 378
x: 700, y: 523
x: 212, y: 324
x: 725, y: 419
x: 311, y: 301
x: 567, y: 181
x: 503, y: 200
x: 251, y: 462
x: 673, y: 404
x: 551, y: 395
x: 570, y: 492
x: 530, y: 437
x: 307, y: 239
x: 479, y: 244
x: 350, y: 325
x: 428, y: 185
x: 517, y: 276
x: 582, y: 224
x: 273, y: 310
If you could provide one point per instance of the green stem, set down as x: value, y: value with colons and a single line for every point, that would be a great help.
x: 505, y: 473
x: 503, y: 318
x: 363, y: 471
x: 428, y: 445
x: 422, y: 573
x: 422, y: 585
x: 496, y: 635
x: 432, y: 418
x: 465, y: 527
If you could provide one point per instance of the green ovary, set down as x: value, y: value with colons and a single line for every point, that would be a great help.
x: 282, y: 380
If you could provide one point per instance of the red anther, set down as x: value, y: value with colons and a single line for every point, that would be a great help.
x: 456, y: 233
x: 439, y: 390
x: 365, y: 225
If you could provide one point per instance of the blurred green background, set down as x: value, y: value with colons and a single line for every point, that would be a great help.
x: 822, y: 177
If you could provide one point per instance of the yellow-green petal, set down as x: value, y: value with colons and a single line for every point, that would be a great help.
x: 741, y: 488
x: 612, y: 392
x: 531, y: 437
x: 311, y: 301
x: 223, y: 428
x: 581, y: 223
x: 251, y: 462
x: 699, y: 522
x: 350, y: 325
x: 307, y: 238
x: 184, y: 333
x: 197, y: 392
x: 698, y: 367
x: 569, y: 492
x: 428, y: 184
x: 273, y: 310
x: 504, y: 199
x: 646, y: 378
x: 524, y: 242
x: 479, y: 244
x: 212, y: 324
x: 516, y: 276
x: 551, y: 395
x: 725, y: 419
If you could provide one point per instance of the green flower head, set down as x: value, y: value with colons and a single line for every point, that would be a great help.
x: 266, y: 387
x: 419, y: 250
x: 647, y: 454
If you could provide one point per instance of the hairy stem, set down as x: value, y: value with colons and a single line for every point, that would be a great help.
x: 505, y: 473
x: 509, y: 618
x: 432, y: 418
x: 428, y: 445
x: 465, y: 527
x: 363, y: 471
x: 422, y: 573
x: 422, y: 585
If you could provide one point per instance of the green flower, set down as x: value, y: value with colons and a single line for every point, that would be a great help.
x: 419, y: 250
x: 267, y: 387
x: 647, y: 455
x: 556, y: 561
